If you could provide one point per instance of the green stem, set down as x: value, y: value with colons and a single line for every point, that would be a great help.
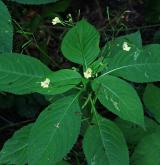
x: 93, y: 101
x: 87, y: 100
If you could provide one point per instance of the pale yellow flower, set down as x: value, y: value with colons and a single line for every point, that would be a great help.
x: 56, y: 20
x: 45, y: 83
x: 126, y: 47
x: 88, y: 73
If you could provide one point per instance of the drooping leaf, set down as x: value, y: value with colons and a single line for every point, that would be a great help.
x: 6, y: 29
x: 81, y: 44
x: 34, y: 2
x: 139, y: 66
x: 22, y: 74
x: 104, y: 144
x: 151, y: 99
x: 147, y: 151
x: 120, y: 98
x: 55, y: 132
x: 14, y: 150
x: 133, y: 133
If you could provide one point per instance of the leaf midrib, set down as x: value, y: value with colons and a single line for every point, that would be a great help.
x: 82, y: 50
x: 20, y: 74
x: 127, y: 66
x: 55, y: 130
x: 21, y: 148
x: 102, y: 137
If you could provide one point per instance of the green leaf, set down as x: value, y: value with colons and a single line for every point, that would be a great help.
x: 53, y: 98
x: 61, y: 81
x: 148, y: 150
x: 133, y: 133
x: 111, y: 47
x: 151, y: 99
x: 55, y: 132
x: 97, y: 66
x: 14, y: 150
x: 63, y: 163
x: 120, y: 98
x: 138, y: 66
x: 104, y: 144
x: 21, y: 74
x: 34, y: 2
x: 81, y: 44
x: 6, y: 29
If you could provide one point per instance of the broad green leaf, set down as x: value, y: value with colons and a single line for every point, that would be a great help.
x: 120, y: 98
x: 34, y: 2
x: 104, y: 144
x: 53, y: 98
x: 151, y: 99
x: 55, y: 132
x: 63, y: 163
x: 61, y: 81
x: 81, y: 44
x: 133, y: 133
x: 22, y: 74
x: 116, y: 45
x: 147, y: 151
x: 14, y: 150
x: 6, y: 29
x: 97, y: 66
x: 139, y: 66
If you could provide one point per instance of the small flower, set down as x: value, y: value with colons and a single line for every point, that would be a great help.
x: 45, y: 83
x: 88, y: 73
x: 70, y: 18
x: 56, y: 20
x: 126, y: 47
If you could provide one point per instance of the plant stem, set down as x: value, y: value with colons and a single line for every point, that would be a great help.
x: 87, y: 100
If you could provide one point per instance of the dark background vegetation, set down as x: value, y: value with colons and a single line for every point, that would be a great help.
x: 35, y: 35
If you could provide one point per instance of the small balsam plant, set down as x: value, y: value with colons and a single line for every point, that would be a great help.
x: 103, y: 76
